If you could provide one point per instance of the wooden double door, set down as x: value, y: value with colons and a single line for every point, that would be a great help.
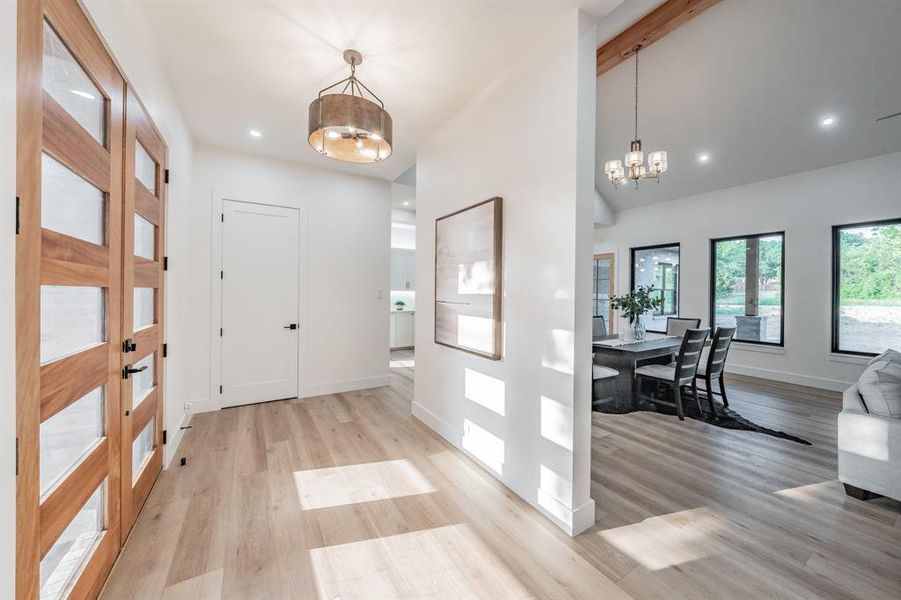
x: 89, y: 304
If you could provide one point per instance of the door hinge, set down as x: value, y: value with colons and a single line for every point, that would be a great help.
x: 17, y: 457
x: 220, y: 388
x: 222, y: 217
x: 18, y: 216
x: 165, y: 350
x: 164, y: 436
x: 166, y: 176
x: 165, y: 263
x: 220, y: 332
x: 221, y: 274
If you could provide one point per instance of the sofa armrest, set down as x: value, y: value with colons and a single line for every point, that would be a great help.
x: 869, y: 452
x: 851, y: 400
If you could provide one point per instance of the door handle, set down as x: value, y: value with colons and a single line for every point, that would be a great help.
x: 128, y: 370
x: 291, y: 326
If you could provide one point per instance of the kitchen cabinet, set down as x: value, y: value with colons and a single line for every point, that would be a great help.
x: 403, y: 269
x: 401, y: 328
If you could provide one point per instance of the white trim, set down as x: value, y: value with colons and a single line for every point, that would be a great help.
x: 817, y: 382
x: 8, y: 299
x: 762, y: 348
x: 174, y: 440
x: 851, y: 359
x: 571, y: 520
x: 350, y: 385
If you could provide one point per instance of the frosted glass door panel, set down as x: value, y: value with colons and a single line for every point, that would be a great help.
x: 145, y: 243
x: 143, y: 381
x: 70, y: 86
x: 71, y: 205
x: 141, y: 449
x: 73, y: 548
x: 143, y: 307
x: 68, y: 435
x: 72, y: 319
x: 145, y: 168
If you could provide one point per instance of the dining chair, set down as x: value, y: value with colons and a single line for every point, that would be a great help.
x: 679, y: 374
x: 715, y: 365
x: 679, y: 325
x: 598, y: 327
x: 602, y: 385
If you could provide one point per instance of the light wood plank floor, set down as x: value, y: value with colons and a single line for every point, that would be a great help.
x: 347, y: 496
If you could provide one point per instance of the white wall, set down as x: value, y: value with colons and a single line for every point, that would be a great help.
x: 530, y: 139
x: 7, y: 298
x: 125, y: 32
x: 345, y: 228
x: 805, y: 206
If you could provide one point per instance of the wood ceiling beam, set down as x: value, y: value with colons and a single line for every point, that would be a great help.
x: 665, y: 18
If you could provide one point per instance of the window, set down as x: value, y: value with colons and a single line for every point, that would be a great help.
x: 602, y: 288
x: 866, y: 287
x: 747, y: 286
x: 658, y: 266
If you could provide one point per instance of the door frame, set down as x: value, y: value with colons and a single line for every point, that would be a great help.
x: 216, y: 267
x: 611, y: 313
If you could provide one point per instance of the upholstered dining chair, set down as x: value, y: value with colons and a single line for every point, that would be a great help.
x: 598, y: 327
x: 679, y: 374
x: 678, y: 325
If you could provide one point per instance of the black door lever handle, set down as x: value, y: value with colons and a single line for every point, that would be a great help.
x: 291, y: 326
x: 128, y: 370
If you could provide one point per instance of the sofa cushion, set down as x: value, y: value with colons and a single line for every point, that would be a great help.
x: 880, y: 387
x: 889, y: 355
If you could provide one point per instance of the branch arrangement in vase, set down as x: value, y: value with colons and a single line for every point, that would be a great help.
x: 641, y: 300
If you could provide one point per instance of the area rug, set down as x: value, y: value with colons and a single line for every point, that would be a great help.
x: 725, y: 416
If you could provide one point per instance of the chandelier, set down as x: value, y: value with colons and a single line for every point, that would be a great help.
x: 634, y: 168
x: 347, y: 126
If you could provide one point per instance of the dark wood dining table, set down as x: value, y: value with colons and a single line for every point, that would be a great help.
x: 621, y: 353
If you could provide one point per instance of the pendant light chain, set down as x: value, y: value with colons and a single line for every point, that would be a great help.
x: 637, y: 48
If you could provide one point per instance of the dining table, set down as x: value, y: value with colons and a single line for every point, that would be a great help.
x: 622, y: 352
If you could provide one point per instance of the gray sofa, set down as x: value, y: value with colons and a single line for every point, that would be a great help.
x: 869, y: 431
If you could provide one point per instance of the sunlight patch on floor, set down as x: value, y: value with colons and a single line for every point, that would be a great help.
x: 402, y: 364
x: 666, y: 541
x: 366, y: 482
x: 807, y: 493
x: 444, y: 562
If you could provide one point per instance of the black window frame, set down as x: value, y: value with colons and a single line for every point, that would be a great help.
x: 632, y: 252
x: 836, y: 280
x: 712, y: 286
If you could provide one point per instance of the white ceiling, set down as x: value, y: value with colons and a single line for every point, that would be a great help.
x: 748, y: 83
x: 241, y: 65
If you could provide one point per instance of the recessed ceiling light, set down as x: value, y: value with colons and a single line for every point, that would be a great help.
x: 84, y: 94
x: 703, y: 157
x: 827, y: 121
x: 406, y: 203
x: 255, y: 133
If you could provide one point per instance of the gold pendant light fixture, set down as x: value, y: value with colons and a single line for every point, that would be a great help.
x: 634, y: 168
x: 347, y: 126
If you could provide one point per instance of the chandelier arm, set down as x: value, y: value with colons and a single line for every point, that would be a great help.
x: 325, y: 89
x: 371, y: 93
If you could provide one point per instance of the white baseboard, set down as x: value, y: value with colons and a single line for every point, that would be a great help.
x: 336, y: 387
x: 174, y: 440
x: 572, y: 521
x: 785, y: 377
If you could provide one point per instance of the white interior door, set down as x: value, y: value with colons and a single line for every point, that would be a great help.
x: 260, y: 287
